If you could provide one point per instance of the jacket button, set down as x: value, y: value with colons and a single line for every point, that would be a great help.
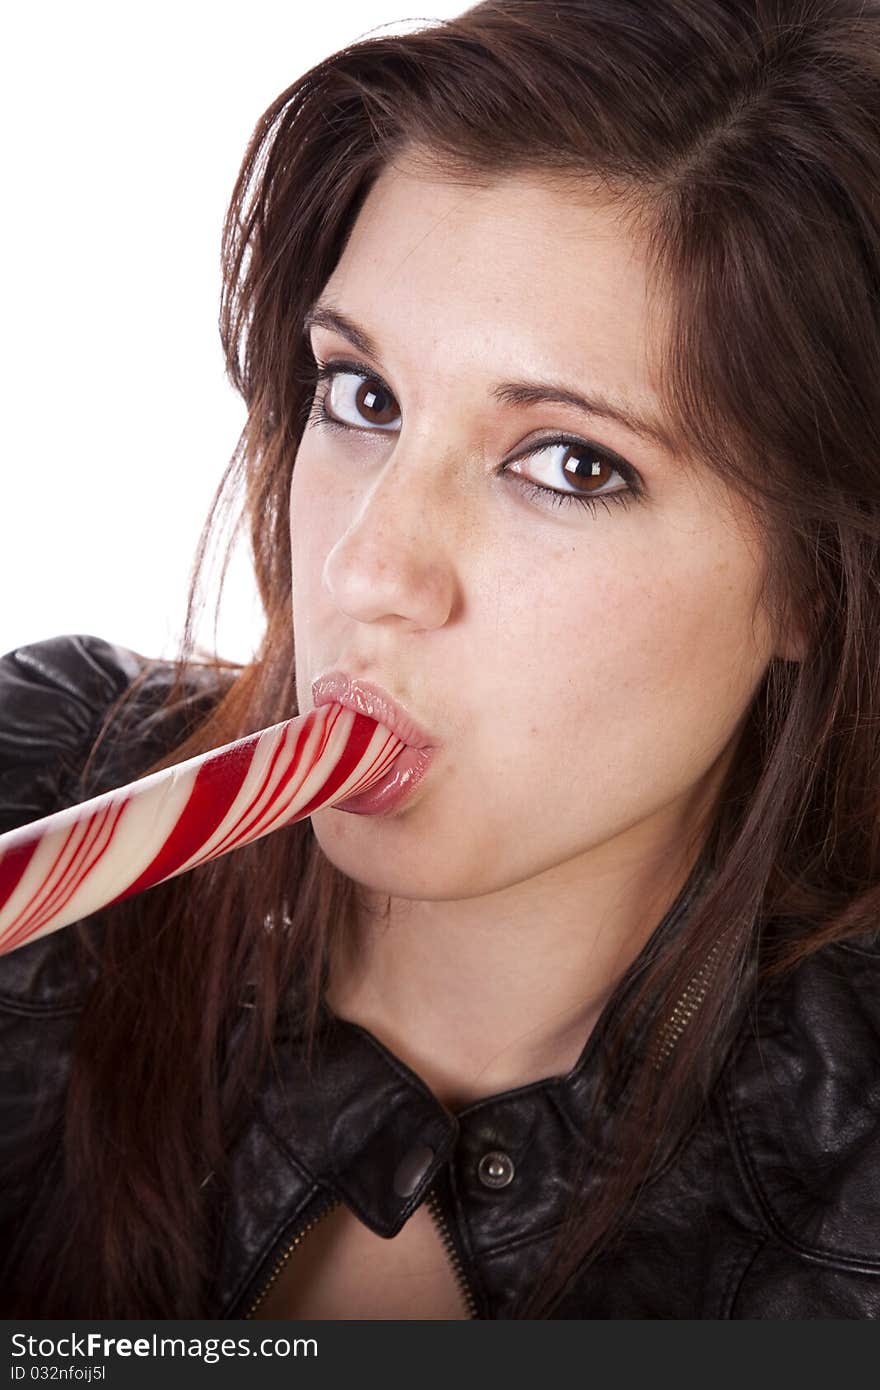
x: 411, y: 1169
x: 495, y: 1169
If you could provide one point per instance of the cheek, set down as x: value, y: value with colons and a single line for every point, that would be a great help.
x: 311, y: 529
x: 309, y: 520
x: 629, y: 682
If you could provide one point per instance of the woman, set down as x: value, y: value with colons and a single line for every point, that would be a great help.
x: 557, y: 327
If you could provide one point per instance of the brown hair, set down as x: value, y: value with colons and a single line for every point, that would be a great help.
x: 741, y: 138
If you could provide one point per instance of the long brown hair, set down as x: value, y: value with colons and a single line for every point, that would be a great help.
x: 741, y: 140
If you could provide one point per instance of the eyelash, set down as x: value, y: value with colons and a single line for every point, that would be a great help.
x: 546, y: 496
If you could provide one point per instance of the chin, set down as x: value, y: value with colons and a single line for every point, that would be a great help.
x: 437, y: 878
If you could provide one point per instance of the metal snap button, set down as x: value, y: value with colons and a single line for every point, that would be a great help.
x: 495, y: 1169
x: 411, y: 1169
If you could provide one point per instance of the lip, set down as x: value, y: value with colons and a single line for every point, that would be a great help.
x: 363, y: 696
x: 395, y: 788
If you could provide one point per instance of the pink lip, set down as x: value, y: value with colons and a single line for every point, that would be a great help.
x: 337, y: 688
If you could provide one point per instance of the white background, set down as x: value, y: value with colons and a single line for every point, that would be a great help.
x: 123, y: 128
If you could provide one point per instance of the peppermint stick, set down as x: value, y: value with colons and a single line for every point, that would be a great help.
x: 69, y: 864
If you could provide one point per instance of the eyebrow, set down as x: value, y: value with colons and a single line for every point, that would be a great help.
x: 644, y: 426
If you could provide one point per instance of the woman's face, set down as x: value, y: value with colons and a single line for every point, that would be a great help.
x: 585, y: 669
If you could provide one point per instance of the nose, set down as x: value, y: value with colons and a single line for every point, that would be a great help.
x: 396, y: 558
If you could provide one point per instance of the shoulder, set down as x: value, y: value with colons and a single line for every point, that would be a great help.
x: 55, y: 699
x: 52, y: 694
x: 803, y: 1095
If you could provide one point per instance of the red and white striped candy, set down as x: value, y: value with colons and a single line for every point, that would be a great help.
x: 67, y: 865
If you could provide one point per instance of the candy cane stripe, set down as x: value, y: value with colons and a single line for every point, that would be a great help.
x: 216, y: 786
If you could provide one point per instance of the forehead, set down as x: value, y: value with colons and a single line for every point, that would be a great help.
x: 551, y: 279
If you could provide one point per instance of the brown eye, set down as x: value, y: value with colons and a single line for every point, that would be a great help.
x: 357, y: 400
x: 583, y: 469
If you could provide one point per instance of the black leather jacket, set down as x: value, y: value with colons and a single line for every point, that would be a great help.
x: 770, y: 1209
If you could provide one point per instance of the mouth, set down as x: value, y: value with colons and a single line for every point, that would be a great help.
x: 410, y: 765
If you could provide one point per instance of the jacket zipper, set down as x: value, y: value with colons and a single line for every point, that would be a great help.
x: 686, y: 1005
x: 286, y: 1254
x: 436, y: 1211
x: 433, y: 1204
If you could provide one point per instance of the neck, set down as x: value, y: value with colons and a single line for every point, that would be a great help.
x: 488, y: 993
